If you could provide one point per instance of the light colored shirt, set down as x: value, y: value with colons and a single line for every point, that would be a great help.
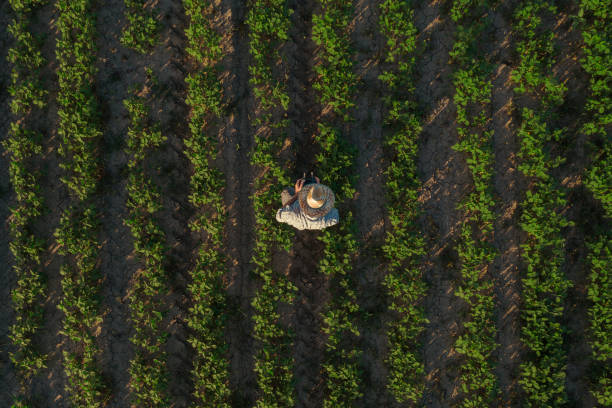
x: 292, y: 214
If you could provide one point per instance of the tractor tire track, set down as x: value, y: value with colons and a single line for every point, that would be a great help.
x: 237, y: 141
x: 118, y: 68
x: 312, y: 294
x: 170, y: 171
x: 581, y: 208
x: 366, y: 135
x: 507, y: 184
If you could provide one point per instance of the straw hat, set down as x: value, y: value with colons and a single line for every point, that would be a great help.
x: 316, y: 200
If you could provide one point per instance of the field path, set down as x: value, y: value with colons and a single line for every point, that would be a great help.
x: 506, y: 181
x: 118, y: 67
x: 366, y: 135
x: 445, y: 181
x: 312, y: 295
x: 236, y: 135
x: 170, y: 171
x: 581, y: 208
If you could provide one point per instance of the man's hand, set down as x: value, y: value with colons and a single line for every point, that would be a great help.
x: 298, y: 185
x: 318, y: 181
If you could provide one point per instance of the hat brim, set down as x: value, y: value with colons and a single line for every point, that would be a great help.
x: 316, y: 212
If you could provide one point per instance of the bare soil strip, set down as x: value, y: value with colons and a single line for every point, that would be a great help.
x: 171, y: 172
x: 236, y: 135
x: 507, y: 184
x: 118, y: 68
x: 581, y: 208
x: 8, y: 382
x: 303, y: 259
x: 445, y: 181
x: 366, y: 136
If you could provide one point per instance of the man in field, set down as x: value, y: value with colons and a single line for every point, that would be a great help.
x: 309, y: 205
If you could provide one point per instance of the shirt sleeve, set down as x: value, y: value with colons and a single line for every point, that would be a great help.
x: 331, y: 218
x: 292, y: 216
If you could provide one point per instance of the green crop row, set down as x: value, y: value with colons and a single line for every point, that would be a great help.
x: 542, y: 373
x: 269, y: 22
x: 80, y: 133
x: 599, y: 261
x: 536, y: 54
x: 335, y: 80
x: 148, y: 374
x: 472, y: 99
x: 142, y: 30
x: 596, y: 25
x: 404, y: 246
x: 24, y: 147
x: 207, y: 316
x: 336, y: 84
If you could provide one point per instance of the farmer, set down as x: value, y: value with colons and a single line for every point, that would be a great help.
x: 308, y: 206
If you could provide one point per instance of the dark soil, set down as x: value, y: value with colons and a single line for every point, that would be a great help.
x: 445, y: 181
x: 366, y: 135
x: 303, y: 259
x: 507, y: 184
x: 236, y: 135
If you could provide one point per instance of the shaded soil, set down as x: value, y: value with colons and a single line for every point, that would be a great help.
x: 585, y: 212
x: 506, y: 187
x: 118, y: 68
x: 366, y: 135
x: 170, y: 169
x: 236, y: 137
x: 302, y: 261
x: 445, y: 180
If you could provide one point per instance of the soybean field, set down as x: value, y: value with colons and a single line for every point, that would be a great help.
x: 144, y: 147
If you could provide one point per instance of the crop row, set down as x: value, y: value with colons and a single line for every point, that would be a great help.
x: 80, y: 133
x: 207, y: 316
x: 542, y: 373
x: 141, y: 32
x: 404, y: 245
x: 472, y: 99
x: 336, y: 85
x: 269, y: 22
x: 148, y: 374
x: 596, y: 27
x: 24, y: 146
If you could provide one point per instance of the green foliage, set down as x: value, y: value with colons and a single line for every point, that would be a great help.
x: 600, y: 313
x: 595, y: 21
x: 269, y: 22
x: 207, y: 316
x: 335, y: 80
x: 472, y: 100
x: 596, y: 25
x: 404, y: 245
x: 536, y: 54
x: 24, y: 148
x: 142, y: 30
x: 544, y: 284
x: 148, y: 373
x: 76, y: 236
x: 336, y: 83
